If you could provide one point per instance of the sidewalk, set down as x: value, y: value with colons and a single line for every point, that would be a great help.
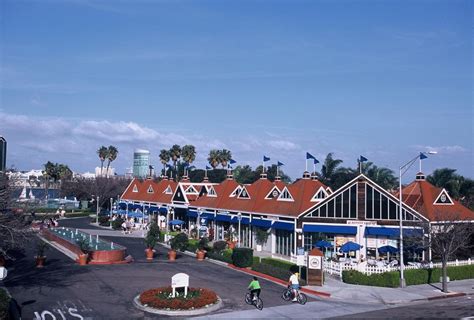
x: 368, y: 294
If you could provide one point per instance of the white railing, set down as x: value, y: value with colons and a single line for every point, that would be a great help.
x: 336, y: 268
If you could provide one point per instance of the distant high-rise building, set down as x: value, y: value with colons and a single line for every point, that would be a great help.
x: 141, y: 163
x: 3, y: 154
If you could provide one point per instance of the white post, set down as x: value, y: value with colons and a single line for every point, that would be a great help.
x: 239, y: 217
x: 400, y: 211
x: 97, y: 211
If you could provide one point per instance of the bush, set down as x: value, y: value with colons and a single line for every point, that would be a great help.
x: 192, y: 245
x: 179, y: 242
x: 219, y: 256
x: 117, y: 224
x: 103, y: 220
x: 4, y: 304
x: 219, y: 246
x: 285, y: 266
x: 242, y: 257
x: 160, y: 298
x: 256, y: 260
x: 203, y: 244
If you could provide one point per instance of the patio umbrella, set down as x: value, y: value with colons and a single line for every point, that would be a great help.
x: 350, y: 246
x: 176, y: 222
x: 387, y: 249
x: 323, y: 244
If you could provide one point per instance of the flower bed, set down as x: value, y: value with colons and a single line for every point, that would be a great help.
x: 161, y: 298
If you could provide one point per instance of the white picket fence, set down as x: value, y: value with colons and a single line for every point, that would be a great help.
x: 336, y: 268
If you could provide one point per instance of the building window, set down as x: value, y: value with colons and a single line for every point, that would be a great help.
x: 150, y: 189
x: 285, y: 195
x: 284, y: 242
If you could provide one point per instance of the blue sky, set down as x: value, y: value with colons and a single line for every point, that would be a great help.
x: 385, y: 79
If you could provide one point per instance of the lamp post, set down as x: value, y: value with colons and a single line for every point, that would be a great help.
x: 239, y: 218
x: 404, y: 168
x: 110, y: 213
x: 97, y: 211
x: 198, y: 224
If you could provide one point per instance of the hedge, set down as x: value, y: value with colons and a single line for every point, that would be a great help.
x: 219, y: 256
x: 242, y: 257
x: 193, y: 245
x: 412, y: 276
x: 285, y: 265
x: 4, y: 304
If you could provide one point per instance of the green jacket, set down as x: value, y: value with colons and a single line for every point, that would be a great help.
x: 254, y: 285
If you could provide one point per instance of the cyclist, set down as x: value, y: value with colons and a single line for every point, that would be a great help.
x: 254, y: 288
x: 294, y: 284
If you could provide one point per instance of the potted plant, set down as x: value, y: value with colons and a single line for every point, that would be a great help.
x: 151, y: 239
x: 179, y: 242
x: 230, y: 235
x: 261, y: 237
x: 202, y: 246
x: 40, y: 257
x: 84, y: 246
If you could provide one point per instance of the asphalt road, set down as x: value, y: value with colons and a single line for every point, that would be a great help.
x: 64, y: 289
x: 450, y: 308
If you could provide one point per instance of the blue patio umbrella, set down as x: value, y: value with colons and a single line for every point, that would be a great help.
x: 323, y: 244
x: 176, y: 222
x: 387, y: 249
x: 350, y: 246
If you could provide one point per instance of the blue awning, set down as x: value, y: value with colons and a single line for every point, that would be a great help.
x: 223, y: 217
x: 122, y: 205
x: 262, y: 223
x: 163, y: 210
x: 192, y: 213
x: 329, y: 229
x: 153, y: 209
x: 208, y: 215
x: 244, y: 220
x: 283, y: 225
x: 382, y: 231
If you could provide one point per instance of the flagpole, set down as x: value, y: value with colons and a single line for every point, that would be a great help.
x: 277, y: 169
x: 306, y: 165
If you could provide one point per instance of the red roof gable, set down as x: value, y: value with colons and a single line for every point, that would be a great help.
x: 157, y: 196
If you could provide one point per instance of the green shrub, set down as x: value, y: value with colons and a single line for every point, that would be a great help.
x: 227, y: 253
x: 179, y: 242
x: 193, y: 245
x: 256, y: 260
x: 242, y: 257
x: 204, y: 244
x: 218, y: 246
x: 4, y: 303
x: 103, y: 220
x: 219, y: 256
x: 117, y: 224
x: 278, y: 263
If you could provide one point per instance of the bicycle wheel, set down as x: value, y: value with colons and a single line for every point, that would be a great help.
x: 248, y: 298
x: 302, y: 298
x: 286, y: 295
x: 259, y: 304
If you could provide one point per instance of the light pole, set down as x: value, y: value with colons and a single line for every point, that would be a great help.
x: 110, y: 213
x: 198, y: 224
x: 239, y: 218
x: 97, y: 211
x: 404, y: 168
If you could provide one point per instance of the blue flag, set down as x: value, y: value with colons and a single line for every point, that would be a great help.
x: 316, y: 161
x: 208, y: 168
x: 422, y: 156
x: 363, y: 159
x: 280, y: 164
x: 265, y: 158
x: 232, y: 161
x: 309, y: 156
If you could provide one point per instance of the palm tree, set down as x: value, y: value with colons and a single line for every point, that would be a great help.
x: 384, y: 177
x: 175, y: 153
x: 50, y: 172
x: 329, y: 169
x: 214, y: 158
x: 226, y: 155
x: 112, y: 153
x: 164, y: 158
x: 102, y: 152
x: 188, y: 154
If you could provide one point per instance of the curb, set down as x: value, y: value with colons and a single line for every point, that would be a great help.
x: 195, y: 312
x: 279, y: 281
x: 448, y: 295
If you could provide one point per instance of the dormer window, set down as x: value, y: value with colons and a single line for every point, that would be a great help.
x: 236, y: 191
x: 420, y: 177
x: 443, y: 199
x: 168, y: 190
x: 191, y: 189
x: 273, y: 194
x: 135, y: 188
x: 319, y: 195
x: 211, y: 192
x: 150, y: 189
x: 285, y: 195
x: 243, y: 194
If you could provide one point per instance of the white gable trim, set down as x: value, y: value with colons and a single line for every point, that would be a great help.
x: 235, y: 192
x: 281, y: 198
x: 275, y: 188
x: 443, y: 192
x: 168, y: 190
x: 150, y: 189
x: 321, y: 189
x: 179, y: 189
x: 135, y: 188
x: 211, y: 192
x: 191, y: 190
x: 242, y: 191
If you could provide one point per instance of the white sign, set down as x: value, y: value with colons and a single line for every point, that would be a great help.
x: 180, y: 280
x: 301, y: 260
x: 360, y: 222
x: 314, y: 262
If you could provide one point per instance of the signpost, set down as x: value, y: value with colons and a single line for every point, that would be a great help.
x: 180, y: 280
x: 315, y: 268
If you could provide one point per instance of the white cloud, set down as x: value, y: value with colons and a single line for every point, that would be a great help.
x: 283, y: 145
x: 443, y: 149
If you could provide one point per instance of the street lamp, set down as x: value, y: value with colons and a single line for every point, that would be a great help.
x: 97, y: 211
x: 110, y: 212
x: 403, y: 169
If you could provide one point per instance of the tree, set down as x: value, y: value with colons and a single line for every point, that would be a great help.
x: 102, y: 152
x: 329, y: 169
x: 384, y: 177
x: 188, y: 154
x: 164, y: 158
x: 244, y: 174
x: 214, y: 158
x: 112, y: 153
x: 459, y: 187
x: 175, y: 154
x: 448, y: 236
x: 225, y: 157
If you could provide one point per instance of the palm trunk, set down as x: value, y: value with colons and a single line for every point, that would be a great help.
x: 445, y: 275
x: 101, y: 167
x: 107, y: 170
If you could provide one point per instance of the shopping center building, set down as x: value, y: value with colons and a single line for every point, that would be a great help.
x: 298, y: 214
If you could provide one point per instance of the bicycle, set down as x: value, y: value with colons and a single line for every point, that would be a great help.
x: 300, y: 297
x: 258, y: 303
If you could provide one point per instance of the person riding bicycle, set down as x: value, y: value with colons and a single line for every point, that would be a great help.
x: 294, y: 284
x: 254, y: 288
